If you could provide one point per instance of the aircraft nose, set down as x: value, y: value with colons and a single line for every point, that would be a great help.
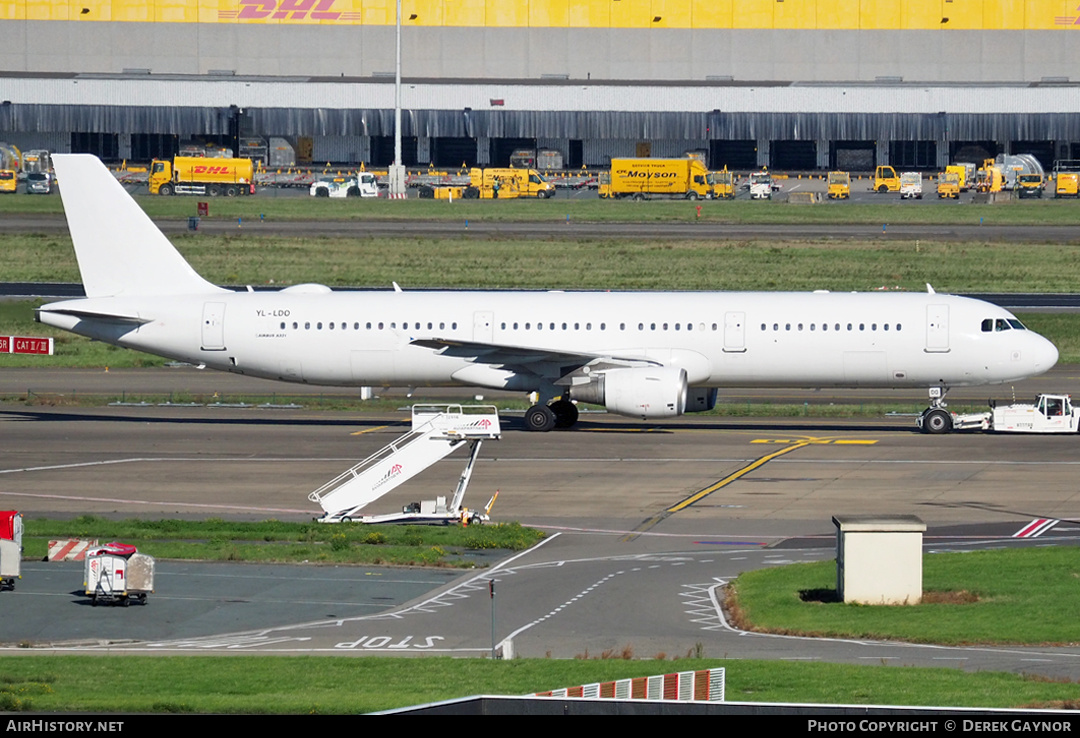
x: 1043, y: 355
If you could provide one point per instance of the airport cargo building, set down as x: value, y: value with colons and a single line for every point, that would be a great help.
x: 791, y: 84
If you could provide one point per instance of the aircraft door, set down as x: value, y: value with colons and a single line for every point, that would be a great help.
x: 734, y: 332
x: 937, y: 328
x: 483, y: 326
x: 213, y: 326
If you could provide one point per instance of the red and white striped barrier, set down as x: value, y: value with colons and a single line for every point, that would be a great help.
x: 704, y: 685
x: 70, y: 549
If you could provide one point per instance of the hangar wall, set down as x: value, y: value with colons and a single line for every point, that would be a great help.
x: 812, y: 40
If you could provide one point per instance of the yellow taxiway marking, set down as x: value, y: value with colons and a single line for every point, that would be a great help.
x: 734, y: 476
x: 713, y: 488
x: 368, y: 430
x: 809, y: 441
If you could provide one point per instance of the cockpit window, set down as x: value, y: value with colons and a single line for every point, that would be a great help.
x: 1001, y: 324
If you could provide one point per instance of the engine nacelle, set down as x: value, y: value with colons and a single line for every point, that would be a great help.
x: 639, y: 392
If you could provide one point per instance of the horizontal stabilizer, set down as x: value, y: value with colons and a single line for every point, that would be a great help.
x: 97, y: 315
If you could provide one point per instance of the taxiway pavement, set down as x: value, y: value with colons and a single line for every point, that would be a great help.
x: 631, y: 567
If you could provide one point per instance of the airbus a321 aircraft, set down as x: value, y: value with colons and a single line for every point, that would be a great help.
x: 640, y: 354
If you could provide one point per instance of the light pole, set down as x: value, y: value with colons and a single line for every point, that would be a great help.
x: 397, y: 169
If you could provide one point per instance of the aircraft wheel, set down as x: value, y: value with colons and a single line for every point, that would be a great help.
x: 566, y: 413
x: 540, y: 418
x: 937, y: 421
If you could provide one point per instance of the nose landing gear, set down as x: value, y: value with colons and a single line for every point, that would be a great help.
x: 936, y: 419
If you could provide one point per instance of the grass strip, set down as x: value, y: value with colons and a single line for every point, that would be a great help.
x: 1013, y: 596
x: 249, y: 257
x: 215, y: 539
x: 315, y: 685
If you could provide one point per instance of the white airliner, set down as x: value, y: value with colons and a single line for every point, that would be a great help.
x: 640, y: 354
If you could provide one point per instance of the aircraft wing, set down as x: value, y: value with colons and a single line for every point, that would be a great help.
x: 530, y: 358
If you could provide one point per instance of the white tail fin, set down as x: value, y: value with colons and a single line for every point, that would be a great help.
x: 120, y: 250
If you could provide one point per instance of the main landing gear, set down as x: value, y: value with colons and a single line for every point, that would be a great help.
x: 560, y: 414
x: 936, y: 419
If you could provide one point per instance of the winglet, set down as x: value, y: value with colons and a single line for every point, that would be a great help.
x: 119, y: 249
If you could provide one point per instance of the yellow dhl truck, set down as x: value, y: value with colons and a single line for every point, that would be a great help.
x: 193, y: 175
x: 839, y: 185
x: 1067, y: 184
x: 1067, y: 178
x: 649, y: 179
x: 507, y: 183
x: 493, y: 184
x: 8, y: 180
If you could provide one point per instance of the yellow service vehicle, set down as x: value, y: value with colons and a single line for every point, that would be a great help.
x: 839, y: 185
x: 965, y: 174
x: 196, y: 175
x: 1067, y: 184
x: 1067, y: 178
x: 723, y: 183
x: 648, y: 179
x: 505, y: 184
x: 989, y: 179
x: 10, y: 166
x: 1030, y: 185
x: 886, y: 180
x: 948, y: 186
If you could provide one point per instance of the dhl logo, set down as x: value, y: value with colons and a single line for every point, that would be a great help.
x: 1067, y: 20
x: 286, y: 10
x: 202, y: 169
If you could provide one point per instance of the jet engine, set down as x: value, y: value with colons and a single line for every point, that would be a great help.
x: 638, y: 392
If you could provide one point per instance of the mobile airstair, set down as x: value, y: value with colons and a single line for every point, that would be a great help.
x: 437, y: 431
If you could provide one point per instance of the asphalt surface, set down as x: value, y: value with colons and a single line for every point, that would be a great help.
x: 620, y: 571
x: 367, y: 228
